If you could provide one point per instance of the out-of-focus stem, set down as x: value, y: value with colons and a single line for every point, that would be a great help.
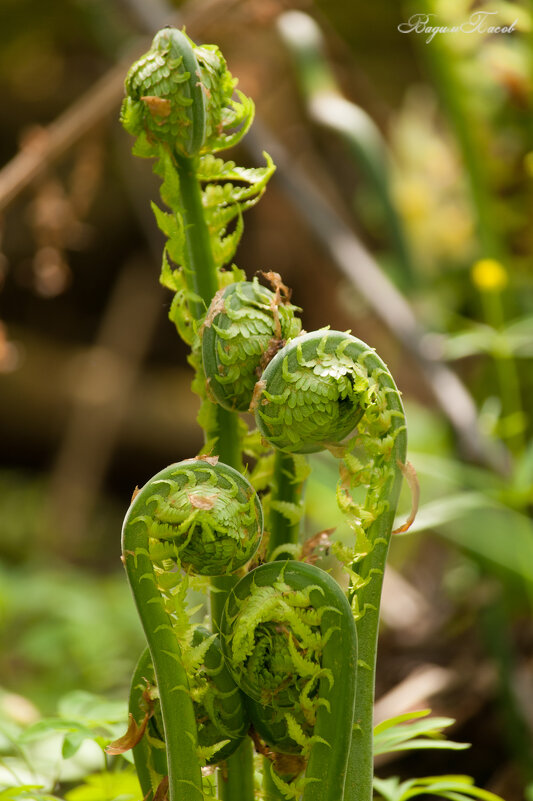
x: 442, y: 61
x: 327, y: 107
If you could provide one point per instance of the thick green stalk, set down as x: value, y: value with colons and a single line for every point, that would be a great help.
x: 144, y: 756
x: 227, y: 438
x: 184, y: 776
x: 236, y: 782
x: 201, y: 277
x: 236, y: 778
x: 360, y: 774
x: 285, y: 489
x: 199, y: 267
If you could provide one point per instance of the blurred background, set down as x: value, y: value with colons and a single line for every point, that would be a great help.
x: 401, y: 209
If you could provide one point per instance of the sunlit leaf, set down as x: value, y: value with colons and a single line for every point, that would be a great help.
x: 91, y: 709
x: 106, y: 786
x: 48, y: 726
x: 26, y: 791
x: 408, y: 732
x: 455, y: 788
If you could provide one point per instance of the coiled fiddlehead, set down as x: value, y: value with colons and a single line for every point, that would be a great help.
x: 183, y: 96
x: 164, y: 94
x: 205, y: 516
x: 289, y: 640
x: 313, y: 393
x: 245, y: 326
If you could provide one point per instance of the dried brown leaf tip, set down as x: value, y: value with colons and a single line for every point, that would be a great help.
x: 318, y: 542
x: 282, y: 291
x: 157, y: 106
x: 282, y: 295
x: 409, y: 473
x: 217, y: 306
x: 129, y: 740
x: 205, y: 457
x: 201, y: 501
x: 258, y: 389
x: 161, y: 794
x: 135, y: 731
x: 134, y: 495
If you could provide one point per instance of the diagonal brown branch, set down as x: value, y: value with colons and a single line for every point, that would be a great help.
x: 51, y: 142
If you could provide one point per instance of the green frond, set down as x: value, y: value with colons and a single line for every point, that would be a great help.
x: 291, y: 511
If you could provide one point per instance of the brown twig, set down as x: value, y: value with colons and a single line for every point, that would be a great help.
x: 50, y: 143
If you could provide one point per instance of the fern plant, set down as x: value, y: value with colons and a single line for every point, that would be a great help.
x: 286, y: 665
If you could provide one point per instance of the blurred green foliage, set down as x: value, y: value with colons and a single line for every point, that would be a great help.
x: 65, y: 628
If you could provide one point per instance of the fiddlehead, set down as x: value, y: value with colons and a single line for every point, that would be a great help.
x: 182, y: 96
x: 313, y: 393
x: 164, y: 98
x: 170, y: 91
x: 182, y: 106
x: 317, y: 392
x: 245, y: 326
x: 289, y: 639
x: 204, y: 516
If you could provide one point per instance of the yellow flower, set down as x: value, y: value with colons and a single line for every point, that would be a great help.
x: 488, y: 275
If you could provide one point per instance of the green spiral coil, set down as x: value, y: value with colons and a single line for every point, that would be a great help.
x: 164, y: 94
x: 245, y: 325
x: 205, y: 516
x: 314, y: 392
x: 290, y: 642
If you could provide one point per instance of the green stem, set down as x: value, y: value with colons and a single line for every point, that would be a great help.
x: 360, y: 774
x: 184, y: 776
x: 236, y: 779
x: 227, y: 437
x: 270, y: 791
x: 286, y: 489
x: 236, y: 782
x: 199, y: 268
x: 201, y: 277
x: 506, y: 372
x: 146, y: 758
